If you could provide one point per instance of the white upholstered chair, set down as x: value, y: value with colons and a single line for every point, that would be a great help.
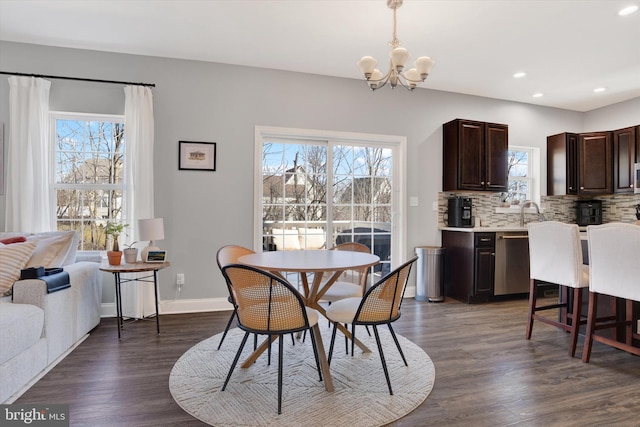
x: 614, y: 262
x: 555, y: 256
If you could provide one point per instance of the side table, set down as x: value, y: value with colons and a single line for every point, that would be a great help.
x: 139, y: 267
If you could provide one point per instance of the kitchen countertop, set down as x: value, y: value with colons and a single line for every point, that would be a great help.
x: 483, y: 229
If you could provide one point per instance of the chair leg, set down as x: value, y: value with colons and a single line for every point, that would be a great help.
x: 395, y: 339
x: 269, y: 351
x: 346, y: 342
x: 575, y: 321
x: 333, y: 340
x: 367, y: 328
x: 280, y: 350
x: 532, y: 306
x: 235, y: 360
x: 226, y: 329
x: 255, y: 342
x: 384, y: 363
x: 591, y: 326
x: 315, y: 352
x: 353, y: 338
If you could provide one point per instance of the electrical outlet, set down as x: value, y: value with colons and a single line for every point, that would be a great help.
x: 613, y: 209
x: 434, y: 207
x: 180, y: 279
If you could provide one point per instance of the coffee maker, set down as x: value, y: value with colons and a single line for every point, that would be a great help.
x: 459, y: 213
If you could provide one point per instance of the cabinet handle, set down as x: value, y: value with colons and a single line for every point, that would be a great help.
x: 485, y: 239
x: 481, y: 182
x: 570, y: 188
x: 488, y: 183
x: 582, y: 188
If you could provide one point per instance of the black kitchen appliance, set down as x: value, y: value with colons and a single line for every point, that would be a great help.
x: 459, y: 213
x: 589, y: 212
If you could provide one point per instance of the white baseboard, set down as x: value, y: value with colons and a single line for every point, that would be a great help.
x: 178, y: 306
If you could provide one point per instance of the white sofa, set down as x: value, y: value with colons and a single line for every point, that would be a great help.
x: 37, y: 327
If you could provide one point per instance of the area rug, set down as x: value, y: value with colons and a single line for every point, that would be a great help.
x: 361, y: 397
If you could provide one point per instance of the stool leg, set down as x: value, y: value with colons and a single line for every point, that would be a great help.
x: 591, y: 326
x: 532, y: 306
x: 575, y: 322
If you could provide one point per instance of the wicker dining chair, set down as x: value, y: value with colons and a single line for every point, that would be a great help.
x: 269, y: 305
x: 352, y: 283
x: 380, y: 305
x: 228, y: 255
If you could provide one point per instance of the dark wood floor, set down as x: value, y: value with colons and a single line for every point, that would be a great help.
x: 487, y: 374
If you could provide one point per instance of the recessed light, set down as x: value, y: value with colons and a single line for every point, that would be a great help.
x: 628, y: 10
x: 537, y: 95
x: 519, y: 74
x: 600, y: 89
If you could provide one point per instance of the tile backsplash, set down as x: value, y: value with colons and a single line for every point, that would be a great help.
x: 615, y: 208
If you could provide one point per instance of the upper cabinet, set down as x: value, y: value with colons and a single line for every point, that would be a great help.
x: 595, y: 174
x: 625, y: 153
x: 592, y: 163
x: 475, y: 156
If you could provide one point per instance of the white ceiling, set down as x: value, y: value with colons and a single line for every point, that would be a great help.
x: 567, y: 47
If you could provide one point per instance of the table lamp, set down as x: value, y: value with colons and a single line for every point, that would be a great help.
x: 150, y: 229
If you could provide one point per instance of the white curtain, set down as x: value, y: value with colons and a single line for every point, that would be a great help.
x: 30, y: 202
x: 138, y: 130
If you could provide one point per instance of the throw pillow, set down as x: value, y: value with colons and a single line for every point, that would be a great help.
x: 13, y: 258
x: 52, y: 248
x: 10, y: 240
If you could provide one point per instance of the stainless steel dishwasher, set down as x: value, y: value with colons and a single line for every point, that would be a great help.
x: 512, y: 263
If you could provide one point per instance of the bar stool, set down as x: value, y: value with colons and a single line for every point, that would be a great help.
x: 555, y: 256
x: 614, y: 260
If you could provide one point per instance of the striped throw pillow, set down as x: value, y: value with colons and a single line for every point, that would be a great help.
x: 13, y: 258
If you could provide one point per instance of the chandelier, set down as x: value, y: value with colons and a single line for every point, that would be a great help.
x: 398, y: 58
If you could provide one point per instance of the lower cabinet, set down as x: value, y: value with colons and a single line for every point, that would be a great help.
x: 469, y: 265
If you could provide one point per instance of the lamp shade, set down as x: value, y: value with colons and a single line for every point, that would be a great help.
x: 151, y: 229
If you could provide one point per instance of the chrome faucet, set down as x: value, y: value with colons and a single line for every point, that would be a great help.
x: 529, y: 203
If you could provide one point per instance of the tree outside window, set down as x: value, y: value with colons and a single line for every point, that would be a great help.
x: 89, y: 172
x: 520, y: 175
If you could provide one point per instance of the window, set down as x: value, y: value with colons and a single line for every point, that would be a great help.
x: 521, y: 174
x: 89, y: 174
x: 316, y: 190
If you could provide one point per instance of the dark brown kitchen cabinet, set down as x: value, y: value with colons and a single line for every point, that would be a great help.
x: 562, y: 164
x: 625, y: 154
x: 475, y: 156
x: 469, y: 265
x: 595, y: 166
x: 579, y: 164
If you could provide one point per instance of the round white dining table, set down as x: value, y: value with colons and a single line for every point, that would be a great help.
x: 319, y: 262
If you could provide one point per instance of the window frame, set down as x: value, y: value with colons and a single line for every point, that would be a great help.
x: 332, y: 138
x: 121, y: 187
x: 534, y: 175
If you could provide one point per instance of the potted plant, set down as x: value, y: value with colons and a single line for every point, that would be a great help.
x: 114, y: 229
x: 130, y: 254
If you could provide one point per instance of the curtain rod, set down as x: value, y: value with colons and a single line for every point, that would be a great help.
x: 78, y: 79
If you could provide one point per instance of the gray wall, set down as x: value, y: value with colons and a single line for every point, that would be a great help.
x: 199, y: 101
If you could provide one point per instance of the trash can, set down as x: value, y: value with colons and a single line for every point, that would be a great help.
x: 429, y: 283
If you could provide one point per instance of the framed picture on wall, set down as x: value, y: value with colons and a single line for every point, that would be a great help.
x: 198, y: 156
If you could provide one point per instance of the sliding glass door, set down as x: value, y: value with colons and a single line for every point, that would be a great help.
x: 315, y: 190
